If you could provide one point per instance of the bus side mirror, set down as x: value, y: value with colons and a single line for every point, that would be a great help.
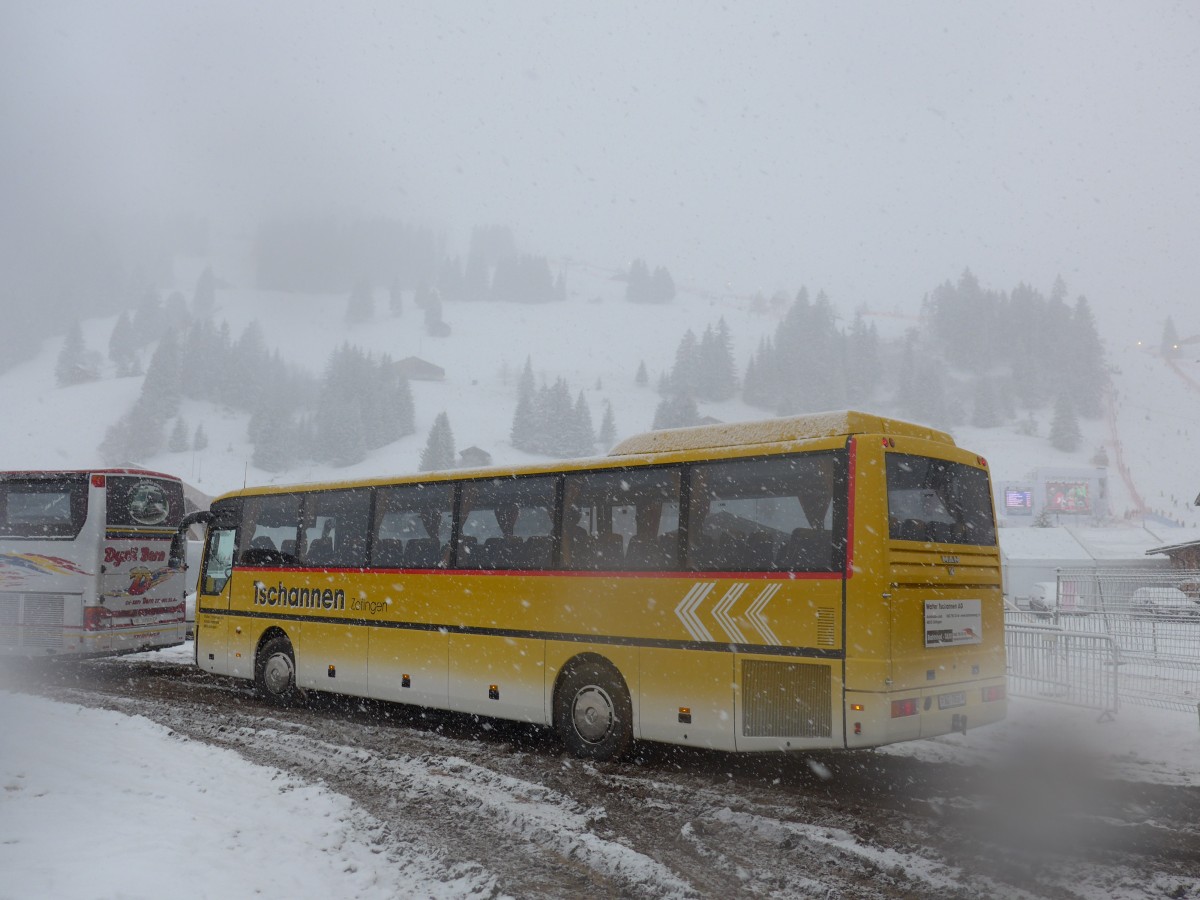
x: 178, y: 555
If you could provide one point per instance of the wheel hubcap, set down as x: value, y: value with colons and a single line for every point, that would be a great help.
x: 592, y: 714
x: 277, y: 674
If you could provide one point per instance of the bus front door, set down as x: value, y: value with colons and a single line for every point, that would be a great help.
x: 212, y: 601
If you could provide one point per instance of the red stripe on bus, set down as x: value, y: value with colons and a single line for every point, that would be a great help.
x: 547, y: 573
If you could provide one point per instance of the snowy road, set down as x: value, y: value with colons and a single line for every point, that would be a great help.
x: 499, y: 810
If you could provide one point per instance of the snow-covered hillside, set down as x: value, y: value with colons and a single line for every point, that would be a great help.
x: 595, y: 340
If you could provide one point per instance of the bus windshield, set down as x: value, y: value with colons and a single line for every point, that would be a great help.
x: 43, y: 506
x: 939, y: 501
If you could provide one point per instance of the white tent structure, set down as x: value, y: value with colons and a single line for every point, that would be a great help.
x: 1031, y: 555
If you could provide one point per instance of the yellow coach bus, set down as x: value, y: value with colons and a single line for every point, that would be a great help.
x: 813, y: 582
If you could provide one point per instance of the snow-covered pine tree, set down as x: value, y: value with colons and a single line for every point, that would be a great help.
x: 582, y: 432
x: 607, y: 435
x: 642, y: 377
x: 678, y: 411
x: 637, y: 287
x: 200, y: 439
x: 985, y: 412
x: 1064, y: 427
x: 524, y: 424
x: 71, y: 367
x: 686, y: 373
x: 439, y: 447
x: 178, y: 441
x: 1085, y: 369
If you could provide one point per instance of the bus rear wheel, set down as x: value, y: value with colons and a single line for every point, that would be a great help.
x: 275, y: 671
x: 593, y: 714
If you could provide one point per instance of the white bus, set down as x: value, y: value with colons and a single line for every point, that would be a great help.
x: 90, y: 563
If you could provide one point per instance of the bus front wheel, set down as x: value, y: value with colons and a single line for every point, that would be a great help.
x: 593, y: 713
x: 275, y: 671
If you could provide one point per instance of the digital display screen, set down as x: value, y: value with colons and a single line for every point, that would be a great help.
x: 1068, y: 497
x: 1018, y: 501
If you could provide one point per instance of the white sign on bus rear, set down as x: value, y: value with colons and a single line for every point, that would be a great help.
x: 953, y: 622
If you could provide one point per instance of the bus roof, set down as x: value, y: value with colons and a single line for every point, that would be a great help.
x: 654, y: 443
x: 772, y: 431
x: 50, y: 473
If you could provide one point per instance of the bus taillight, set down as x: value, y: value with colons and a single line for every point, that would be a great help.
x: 993, y: 692
x: 97, y: 481
x: 904, y: 707
x: 94, y: 618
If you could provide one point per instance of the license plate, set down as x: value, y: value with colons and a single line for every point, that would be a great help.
x: 949, y: 701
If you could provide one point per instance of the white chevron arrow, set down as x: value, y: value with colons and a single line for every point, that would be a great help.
x: 755, y: 613
x: 686, y: 610
x: 721, y: 612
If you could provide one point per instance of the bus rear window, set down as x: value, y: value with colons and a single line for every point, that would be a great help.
x: 144, y: 502
x: 938, y: 501
x: 52, y: 507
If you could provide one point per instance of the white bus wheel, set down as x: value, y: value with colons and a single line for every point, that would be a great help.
x: 593, y: 713
x: 275, y: 671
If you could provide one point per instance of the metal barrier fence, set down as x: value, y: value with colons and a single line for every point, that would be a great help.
x: 1151, y: 620
x: 1048, y: 663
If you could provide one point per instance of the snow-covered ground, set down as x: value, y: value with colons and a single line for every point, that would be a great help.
x: 95, y: 803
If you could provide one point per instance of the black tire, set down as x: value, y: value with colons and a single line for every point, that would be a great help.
x: 593, y: 714
x: 275, y: 672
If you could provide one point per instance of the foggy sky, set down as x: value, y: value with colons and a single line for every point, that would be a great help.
x: 871, y: 150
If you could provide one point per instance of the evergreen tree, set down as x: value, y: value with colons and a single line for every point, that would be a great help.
x: 862, y: 361
x: 200, y: 439
x: 524, y: 424
x: 686, y: 373
x: 555, y: 414
x: 435, y: 326
x: 178, y: 441
x: 1084, y: 367
x: 717, y: 376
x: 608, y: 428
x: 123, y: 346
x: 985, y: 409
x: 439, y: 447
x: 162, y: 389
x: 678, y: 411
x: 149, y: 320
x: 637, y: 287
x: 662, y: 286
x: 71, y: 367
x: 642, y: 378
x: 450, y: 282
x: 274, y: 435
x: 583, y: 436
x: 1064, y: 428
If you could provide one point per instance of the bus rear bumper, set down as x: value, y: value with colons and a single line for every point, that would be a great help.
x: 887, y: 717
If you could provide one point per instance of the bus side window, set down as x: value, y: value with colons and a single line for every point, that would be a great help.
x: 335, y: 528
x: 622, y: 520
x: 507, y: 523
x: 757, y: 515
x: 412, y: 525
x: 267, y: 522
